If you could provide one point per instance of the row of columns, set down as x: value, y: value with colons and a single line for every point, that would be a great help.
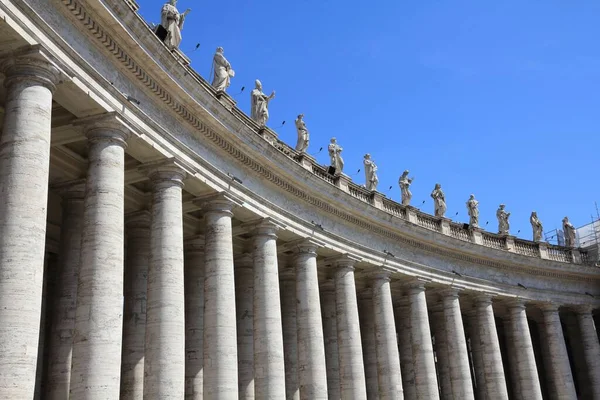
x: 180, y: 332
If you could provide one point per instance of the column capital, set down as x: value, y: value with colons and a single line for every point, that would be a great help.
x: 264, y: 227
x: 138, y: 219
x: 417, y: 284
x: 222, y: 202
x: 450, y: 292
x: 164, y: 173
x: 548, y: 307
x: 343, y: 262
x: 515, y: 304
x: 244, y: 261
x: 582, y: 308
x: 70, y: 190
x: 380, y: 275
x: 31, y: 63
x: 107, y: 127
x: 483, y: 298
x: 304, y: 246
x: 194, y: 244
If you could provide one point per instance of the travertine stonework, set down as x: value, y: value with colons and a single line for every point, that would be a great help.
x: 200, y: 257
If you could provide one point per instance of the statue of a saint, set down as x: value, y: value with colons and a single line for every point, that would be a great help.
x: 260, y: 104
x: 569, y: 232
x: 222, y: 71
x: 503, y: 225
x: 537, y: 227
x: 302, y: 143
x: 171, y: 22
x: 405, y: 183
x: 473, y: 211
x: 335, y: 156
x: 439, y: 201
x: 371, y: 179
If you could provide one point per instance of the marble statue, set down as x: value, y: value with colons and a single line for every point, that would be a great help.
x: 569, y: 232
x: 260, y: 104
x: 439, y: 201
x: 171, y: 21
x: 537, y: 227
x: 371, y: 179
x: 473, y: 211
x: 405, y: 183
x: 303, y: 137
x: 503, y: 225
x: 222, y: 71
x: 335, y: 156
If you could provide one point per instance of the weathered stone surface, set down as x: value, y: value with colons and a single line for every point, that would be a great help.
x: 369, y: 348
x: 244, y: 307
x: 290, y: 333
x: 330, y: 337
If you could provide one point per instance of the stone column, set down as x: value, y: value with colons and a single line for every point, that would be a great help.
x: 494, y: 381
x: 290, y: 333
x: 244, y: 306
x: 164, y: 365
x: 405, y: 348
x: 96, y: 365
x: 194, y: 318
x: 367, y: 334
x: 591, y: 347
x: 524, y: 368
x: 60, y: 345
x: 137, y: 227
x: 269, y: 363
x: 557, y: 359
x: 332, y: 359
x: 420, y: 333
x: 437, y: 325
x: 458, y: 360
x: 388, y: 358
x: 220, y: 339
x: 24, y: 169
x: 352, y: 369
x: 312, y: 371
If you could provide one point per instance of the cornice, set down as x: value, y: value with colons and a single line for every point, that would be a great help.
x: 107, y: 41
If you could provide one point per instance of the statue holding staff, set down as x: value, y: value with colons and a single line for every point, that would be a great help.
x: 171, y: 20
x: 405, y: 183
x: 260, y: 104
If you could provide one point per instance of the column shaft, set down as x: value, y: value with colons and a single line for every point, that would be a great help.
x: 458, y: 360
x: 134, y: 315
x: 269, y: 363
x: 332, y: 358
x: 388, y: 358
x: 311, y: 351
x: 367, y: 333
x: 405, y: 349
x: 220, y: 339
x: 194, y: 319
x: 557, y: 359
x: 164, y: 365
x: 424, y: 366
x: 437, y: 324
x: 24, y: 170
x: 96, y: 365
x: 290, y: 334
x: 244, y: 299
x: 352, y: 369
x: 591, y: 348
x: 524, y: 367
x: 488, y: 346
x: 63, y: 324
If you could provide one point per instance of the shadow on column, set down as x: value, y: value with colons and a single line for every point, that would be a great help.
x: 536, y: 340
x: 505, y: 359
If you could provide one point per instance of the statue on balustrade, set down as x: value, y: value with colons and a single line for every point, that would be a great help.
x: 439, y: 201
x: 405, y: 183
x: 171, y: 24
x: 371, y: 179
x: 473, y: 211
x: 335, y: 156
x: 260, y: 104
x: 222, y: 71
x: 503, y: 225
x: 537, y: 227
x: 569, y: 232
x: 302, y: 143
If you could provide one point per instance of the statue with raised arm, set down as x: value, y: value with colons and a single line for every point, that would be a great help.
x: 473, y: 211
x: 172, y: 22
x: 502, y: 215
x: 537, y: 227
x: 260, y: 104
x: 569, y: 232
x: 335, y: 156
x: 302, y: 143
x: 405, y: 183
x: 222, y: 71
x: 371, y: 179
x: 439, y: 201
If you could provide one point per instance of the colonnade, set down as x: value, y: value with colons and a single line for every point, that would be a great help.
x: 174, y: 319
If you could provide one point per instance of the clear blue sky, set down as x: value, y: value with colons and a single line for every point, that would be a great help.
x: 499, y: 99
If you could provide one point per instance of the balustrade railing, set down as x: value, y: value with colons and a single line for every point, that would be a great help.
x: 561, y: 254
x: 394, y: 208
x: 493, y: 241
x: 322, y: 173
x: 459, y: 232
x: 526, y: 248
x: 428, y: 221
x: 360, y: 193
